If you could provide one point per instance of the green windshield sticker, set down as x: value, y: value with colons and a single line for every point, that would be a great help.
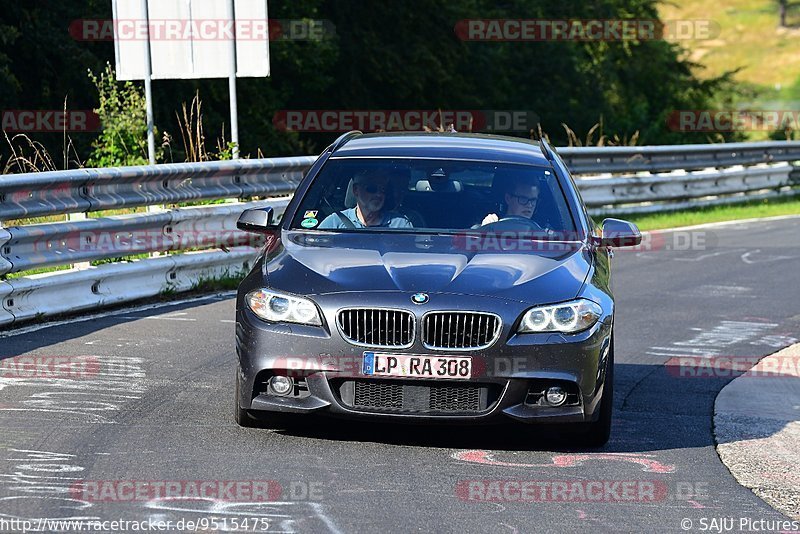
x: 309, y: 223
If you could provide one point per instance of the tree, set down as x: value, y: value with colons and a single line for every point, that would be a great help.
x: 384, y: 55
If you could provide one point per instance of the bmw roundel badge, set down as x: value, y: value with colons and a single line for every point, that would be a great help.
x: 420, y: 298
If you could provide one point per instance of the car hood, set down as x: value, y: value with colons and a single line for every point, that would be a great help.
x: 522, y: 270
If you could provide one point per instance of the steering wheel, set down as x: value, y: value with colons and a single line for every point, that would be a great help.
x: 514, y: 223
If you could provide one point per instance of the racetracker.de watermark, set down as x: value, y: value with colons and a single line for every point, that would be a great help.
x: 50, y: 367
x: 580, y: 491
x: 147, y: 490
x: 558, y: 242
x: 730, y: 366
x: 585, y: 29
x: 202, y: 30
x: 210, y: 523
x: 300, y: 366
x: 49, y: 120
x: 740, y: 120
x: 141, y: 241
x: 408, y: 120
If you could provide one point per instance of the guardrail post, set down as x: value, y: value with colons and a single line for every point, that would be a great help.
x: 5, y: 289
x: 160, y: 208
x: 5, y: 237
x: 794, y: 174
x: 6, y: 317
x: 79, y: 217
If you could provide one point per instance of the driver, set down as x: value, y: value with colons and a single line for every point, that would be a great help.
x: 519, y: 201
x: 370, y: 192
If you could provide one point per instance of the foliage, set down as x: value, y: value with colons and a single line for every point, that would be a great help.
x: 382, y: 55
x: 27, y: 155
x: 225, y: 151
x: 123, y: 118
x: 41, y: 64
x: 191, y: 128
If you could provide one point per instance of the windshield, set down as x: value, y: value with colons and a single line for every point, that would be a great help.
x: 428, y: 195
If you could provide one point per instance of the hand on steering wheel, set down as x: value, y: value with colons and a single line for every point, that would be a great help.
x: 489, y: 219
x: 510, y: 223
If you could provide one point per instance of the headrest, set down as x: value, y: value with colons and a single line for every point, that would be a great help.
x: 441, y: 186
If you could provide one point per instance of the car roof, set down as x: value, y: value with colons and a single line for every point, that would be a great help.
x: 445, y: 146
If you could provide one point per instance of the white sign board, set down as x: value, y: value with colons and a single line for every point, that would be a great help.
x: 190, y: 39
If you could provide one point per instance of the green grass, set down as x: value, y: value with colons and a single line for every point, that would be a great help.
x: 749, y: 210
x: 226, y: 282
x: 57, y: 268
x: 43, y: 270
x: 747, y: 37
x: 120, y: 259
x: 107, y: 213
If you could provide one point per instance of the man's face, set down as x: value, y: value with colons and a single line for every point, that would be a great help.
x: 522, y: 200
x: 371, y: 193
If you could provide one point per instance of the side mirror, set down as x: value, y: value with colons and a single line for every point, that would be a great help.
x: 618, y: 233
x: 258, y: 220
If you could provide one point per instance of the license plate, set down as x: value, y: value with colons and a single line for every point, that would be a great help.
x: 416, y: 366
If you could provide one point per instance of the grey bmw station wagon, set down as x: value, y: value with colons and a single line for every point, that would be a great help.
x: 439, y: 278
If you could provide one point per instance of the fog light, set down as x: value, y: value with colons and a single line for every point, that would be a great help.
x: 281, y: 385
x: 556, y: 396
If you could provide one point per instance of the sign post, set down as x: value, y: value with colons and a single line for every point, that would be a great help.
x: 148, y: 91
x: 232, y: 82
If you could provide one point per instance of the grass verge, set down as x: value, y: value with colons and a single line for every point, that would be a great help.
x: 227, y: 282
x: 743, y: 34
x: 748, y: 210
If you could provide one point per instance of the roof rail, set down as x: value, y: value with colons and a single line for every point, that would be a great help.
x: 547, y: 150
x: 344, y: 138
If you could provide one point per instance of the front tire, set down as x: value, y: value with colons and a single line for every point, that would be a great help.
x: 597, y: 433
x: 243, y: 418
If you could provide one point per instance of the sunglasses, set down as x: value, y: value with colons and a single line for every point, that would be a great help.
x: 373, y: 189
x: 525, y: 201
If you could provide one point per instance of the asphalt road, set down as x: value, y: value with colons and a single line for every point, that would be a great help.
x: 153, y: 403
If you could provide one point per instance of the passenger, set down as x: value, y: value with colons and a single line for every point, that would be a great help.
x: 519, y: 201
x: 370, y: 192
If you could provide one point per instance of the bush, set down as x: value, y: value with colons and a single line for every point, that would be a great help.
x: 123, y: 118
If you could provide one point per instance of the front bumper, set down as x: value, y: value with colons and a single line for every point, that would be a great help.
x: 505, y: 375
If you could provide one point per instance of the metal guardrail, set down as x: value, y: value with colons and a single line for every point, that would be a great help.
x: 116, y: 283
x: 86, y: 190
x: 198, y: 227
x: 111, y: 284
x: 663, y: 192
x: 707, y: 174
x: 655, y: 159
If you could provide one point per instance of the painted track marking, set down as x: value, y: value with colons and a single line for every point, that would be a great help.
x: 648, y: 464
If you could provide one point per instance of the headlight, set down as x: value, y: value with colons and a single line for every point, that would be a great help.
x: 568, y: 318
x: 279, y: 307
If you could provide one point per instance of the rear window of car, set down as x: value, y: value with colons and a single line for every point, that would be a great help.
x: 430, y: 195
